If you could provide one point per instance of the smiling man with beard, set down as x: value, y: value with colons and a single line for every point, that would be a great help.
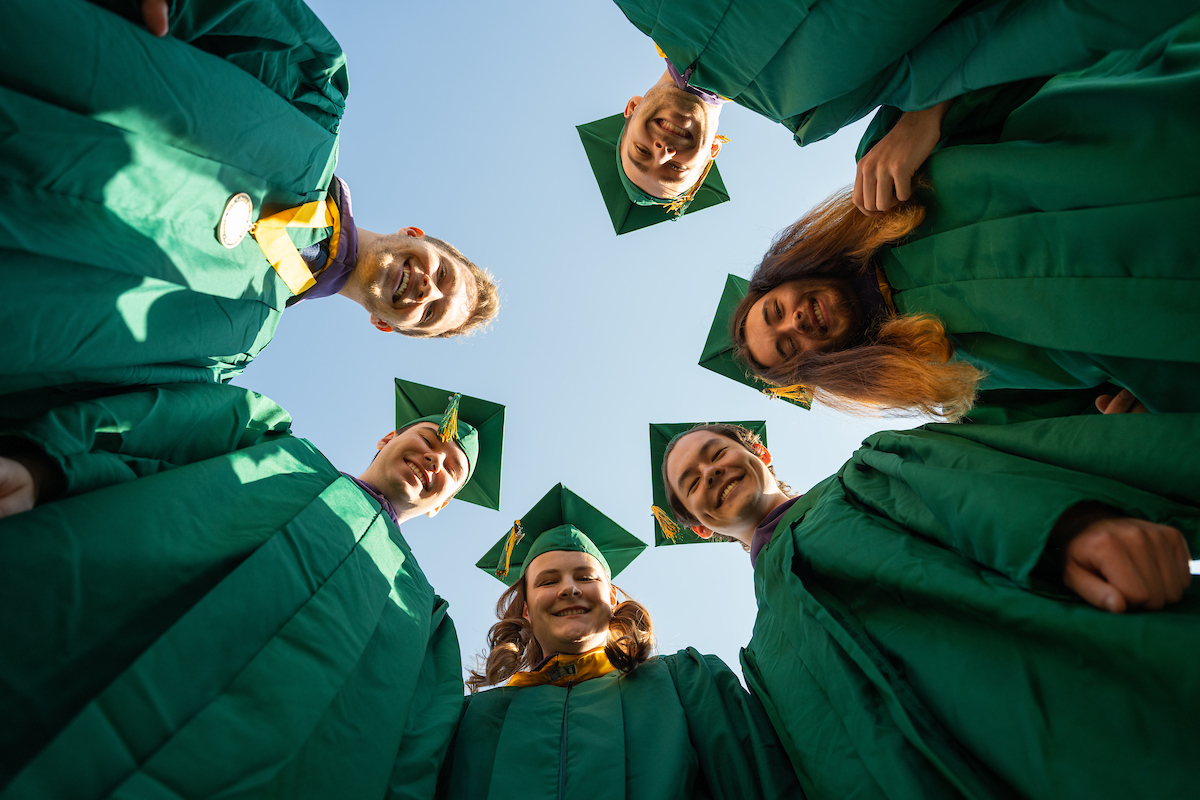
x: 957, y: 593
x: 201, y: 599
x: 159, y: 217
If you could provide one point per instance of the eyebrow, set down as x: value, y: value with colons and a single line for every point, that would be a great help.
x: 687, y: 472
x: 546, y: 573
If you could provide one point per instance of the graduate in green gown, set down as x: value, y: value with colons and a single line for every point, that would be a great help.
x: 817, y: 67
x: 132, y: 169
x: 211, y: 608
x: 586, y: 711
x: 979, y: 611
x: 1051, y: 249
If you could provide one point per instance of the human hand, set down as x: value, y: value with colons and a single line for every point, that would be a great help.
x: 1119, y: 564
x: 1123, y: 402
x: 154, y: 13
x: 18, y: 489
x: 884, y: 175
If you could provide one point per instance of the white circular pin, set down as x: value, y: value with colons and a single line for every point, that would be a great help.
x: 236, y: 220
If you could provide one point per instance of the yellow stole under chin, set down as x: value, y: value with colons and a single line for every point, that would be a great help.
x: 563, y: 669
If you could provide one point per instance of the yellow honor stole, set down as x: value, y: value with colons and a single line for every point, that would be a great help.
x: 563, y: 669
x: 271, y: 235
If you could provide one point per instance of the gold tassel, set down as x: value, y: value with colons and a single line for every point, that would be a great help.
x: 448, y: 429
x: 798, y: 393
x: 722, y: 139
x: 677, y: 205
x: 668, y: 525
x: 514, y: 536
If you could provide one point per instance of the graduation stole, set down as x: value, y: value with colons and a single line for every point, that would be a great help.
x: 562, y: 669
x: 271, y: 235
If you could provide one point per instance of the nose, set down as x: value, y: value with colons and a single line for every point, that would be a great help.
x: 663, y: 150
x: 427, y: 289
x: 712, y: 473
x: 435, y: 460
x: 569, y: 589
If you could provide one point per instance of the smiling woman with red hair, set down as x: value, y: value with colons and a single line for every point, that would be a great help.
x: 586, y: 708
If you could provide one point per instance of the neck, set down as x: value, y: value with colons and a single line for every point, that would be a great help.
x: 352, y: 288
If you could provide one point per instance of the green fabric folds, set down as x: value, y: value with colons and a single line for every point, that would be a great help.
x: 120, y: 152
x: 908, y: 643
x: 679, y: 726
x: 818, y: 66
x: 1058, y: 247
x: 247, y: 623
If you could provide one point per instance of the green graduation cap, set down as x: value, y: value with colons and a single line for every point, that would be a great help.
x: 666, y: 531
x: 477, y: 426
x: 629, y: 207
x: 561, y: 520
x: 718, y: 350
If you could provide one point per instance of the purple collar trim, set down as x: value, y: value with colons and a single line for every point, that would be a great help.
x: 681, y: 81
x: 384, y: 503
x: 766, y: 528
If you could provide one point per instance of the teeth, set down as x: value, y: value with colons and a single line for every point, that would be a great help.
x: 820, y: 317
x: 571, y: 612
x: 403, y: 284
x: 729, y: 489
x: 675, y: 129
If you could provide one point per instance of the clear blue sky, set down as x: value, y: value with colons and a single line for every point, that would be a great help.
x: 461, y: 120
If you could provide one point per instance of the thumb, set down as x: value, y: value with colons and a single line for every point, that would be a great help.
x: 1093, y: 589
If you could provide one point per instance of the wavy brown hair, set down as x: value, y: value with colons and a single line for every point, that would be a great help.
x: 902, y: 364
x: 512, y: 647
x: 743, y: 436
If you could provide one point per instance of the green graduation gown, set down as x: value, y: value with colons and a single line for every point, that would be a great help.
x: 249, y: 624
x: 679, y: 726
x: 909, y: 644
x: 817, y: 66
x: 1059, y: 247
x: 120, y: 152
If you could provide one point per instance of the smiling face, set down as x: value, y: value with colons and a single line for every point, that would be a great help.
x: 815, y: 314
x: 410, y: 285
x: 569, y: 602
x: 724, y: 486
x: 416, y: 470
x: 668, y: 139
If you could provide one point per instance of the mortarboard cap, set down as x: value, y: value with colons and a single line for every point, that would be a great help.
x: 718, y: 350
x: 476, y: 425
x: 561, y: 520
x: 666, y: 531
x: 629, y: 207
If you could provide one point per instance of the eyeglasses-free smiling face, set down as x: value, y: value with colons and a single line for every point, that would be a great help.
x: 416, y: 470
x: 724, y: 486
x: 668, y: 140
x: 568, y: 601
x: 816, y: 314
x: 412, y: 286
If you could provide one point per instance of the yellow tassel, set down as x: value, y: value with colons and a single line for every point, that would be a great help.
x: 514, y: 536
x: 798, y: 393
x: 722, y: 139
x: 677, y: 205
x: 448, y: 429
x: 669, y: 528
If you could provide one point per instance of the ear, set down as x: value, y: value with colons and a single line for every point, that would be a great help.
x: 632, y: 105
x: 525, y: 610
x: 433, y: 513
x: 412, y: 231
x: 716, y: 148
x: 383, y: 442
x: 764, y: 455
x: 381, y: 325
x: 612, y: 595
x: 702, y: 532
